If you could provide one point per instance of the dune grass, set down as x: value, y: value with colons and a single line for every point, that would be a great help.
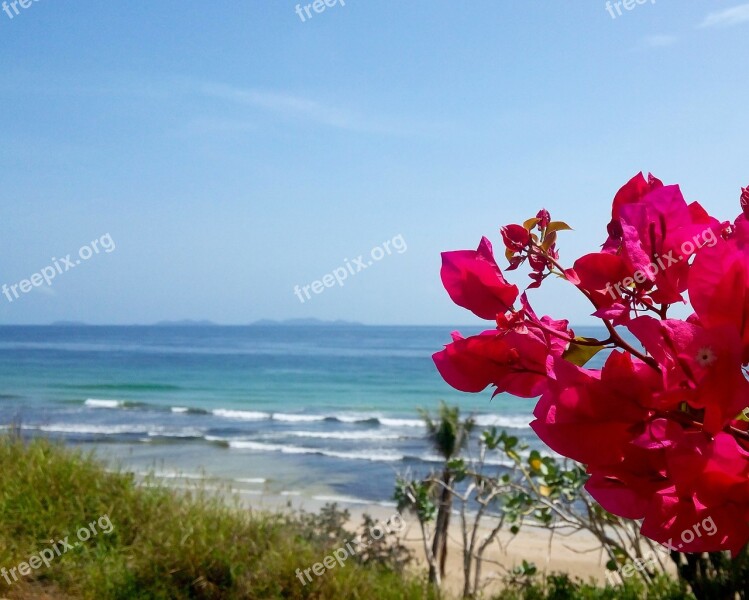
x: 169, y: 544
x: 163, y: 543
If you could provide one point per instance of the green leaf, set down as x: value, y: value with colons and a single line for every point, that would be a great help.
x: 531, y: 223
x: 579, y: 354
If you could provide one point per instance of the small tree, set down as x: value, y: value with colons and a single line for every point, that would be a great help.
x: 415, y: 496
x: 449, y: 436
x: 532, y: 489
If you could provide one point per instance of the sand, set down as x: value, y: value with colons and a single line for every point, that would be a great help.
x: 579, y: 554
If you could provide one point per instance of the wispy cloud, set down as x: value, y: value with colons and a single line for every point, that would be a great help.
x: 660, y: 40
x: 298, y: 107
x: 278, y: 102
x: 728, y: 17
x: 239, y: 109
x: 211, y: 125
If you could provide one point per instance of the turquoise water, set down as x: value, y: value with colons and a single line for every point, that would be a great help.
x: 330, y: 411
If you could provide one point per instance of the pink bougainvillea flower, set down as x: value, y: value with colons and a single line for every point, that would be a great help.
x: 653, y: 232
x: 474, y: 281
x: 515, y: 237
x: 659, y: 235
x: 602, y: 277
x: 710, y: 487
x: 544, y: 218
x: 630, y: 193
x: 719, y: 285
x: 556, y: 332
x: 512, y: 362
x: 701, y: 366
x: 661, y: 427
x: 627, y: 489
x: 633, y: 192
x: 574, y: 417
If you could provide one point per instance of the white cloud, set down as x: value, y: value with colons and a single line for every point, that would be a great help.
x: 293, y: 106
x: 660, y: 41
x: 728, y: 17
x: 236, y: 109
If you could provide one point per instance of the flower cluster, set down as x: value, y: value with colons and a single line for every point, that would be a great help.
x: 661, y: 426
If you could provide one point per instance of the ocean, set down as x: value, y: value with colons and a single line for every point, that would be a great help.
x: 321, y: 412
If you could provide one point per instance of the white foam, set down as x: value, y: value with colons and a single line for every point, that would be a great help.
x: 243, y: 415
x: 187, y: 432
x: 511, y: 421
x: 247, y: 445
x: 365, y: 455
x: 95, y: 403
x: 355, y: 418
x: 297, y: 418
x: 388, y: 422
x: 287, y: 449
x: 88, y: 428
x: 91, y: 429
x: 344, y: 435
x: 342, y: 499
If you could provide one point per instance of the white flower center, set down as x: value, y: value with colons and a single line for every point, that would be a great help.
x: 705, y: 357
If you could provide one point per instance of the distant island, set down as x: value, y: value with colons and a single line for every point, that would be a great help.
x: 260, y: 323
x: 186, y: 323
x: 207, y: 323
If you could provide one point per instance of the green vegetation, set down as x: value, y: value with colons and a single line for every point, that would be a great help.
x: 168, y: 544
x: 562, y: 587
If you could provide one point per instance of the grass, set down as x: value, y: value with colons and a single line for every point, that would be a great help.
x: 164, y: 543
x: 169, y: 544
x: 560, y: 586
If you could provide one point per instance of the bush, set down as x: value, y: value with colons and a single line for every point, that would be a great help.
x: 562, y: 587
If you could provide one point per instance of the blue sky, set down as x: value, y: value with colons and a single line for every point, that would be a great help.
x: 232, y: 151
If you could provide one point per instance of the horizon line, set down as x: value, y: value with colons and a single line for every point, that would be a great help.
x: 261, y: 323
